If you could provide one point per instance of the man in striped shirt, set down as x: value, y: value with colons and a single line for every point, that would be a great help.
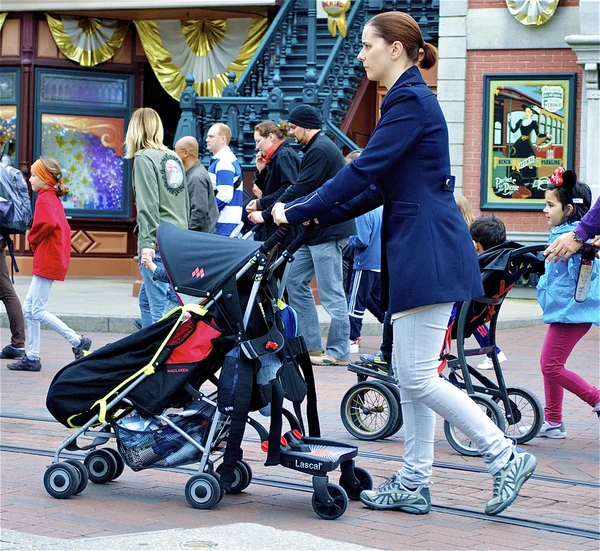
x: 226, y: 177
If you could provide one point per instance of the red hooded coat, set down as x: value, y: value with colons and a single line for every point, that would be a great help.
x: 50, y: 237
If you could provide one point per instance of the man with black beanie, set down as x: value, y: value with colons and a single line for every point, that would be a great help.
x: 322, y: 255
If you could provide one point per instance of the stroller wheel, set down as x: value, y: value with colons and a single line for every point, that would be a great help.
x: 394, y: 428
x: 337, y: 508
x: 241, y: 477
x: 459, y: 440
x: 202, y: 491
x: 83, y: 475
x: 119, y: 460
x: 370, y: 410
x: 61, y: 480
x: 101, y: 466
x: 527, y: 414
x: 364, y: 479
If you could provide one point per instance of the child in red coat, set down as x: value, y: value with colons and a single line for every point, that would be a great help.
x: 50, y: 241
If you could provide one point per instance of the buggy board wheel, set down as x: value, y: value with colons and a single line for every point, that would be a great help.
x: 83, y: 475
x: 369, y: 410
x: 203, y: 491
x: 241, y: 477
x: 101, y: 466
x: 459, y: 440
x: 400, y: 421
x: 527, y: 413
x: 364, y: 479
x: 337, y: 509
x: 61, y: 480
x: 120, y: 462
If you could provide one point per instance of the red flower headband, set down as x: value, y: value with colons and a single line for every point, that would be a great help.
x: 557, y: 177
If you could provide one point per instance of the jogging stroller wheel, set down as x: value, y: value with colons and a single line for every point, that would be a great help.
x: 241, y: 477
x: 370, y: 410
x: 101, y: 465
x: 337, y: 508
x: 399, y: 421
x: 83, y: 475
x: 460, y: 441
x: 364, y: 479
x: 61, y: 480
x: 527, y: 414
x: 119, y: 460
x: 203, y: 491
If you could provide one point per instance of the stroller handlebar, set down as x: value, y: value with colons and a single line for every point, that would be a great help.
x: 302, y: 238
x: 275, y: 238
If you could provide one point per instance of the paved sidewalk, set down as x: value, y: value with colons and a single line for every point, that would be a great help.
x: 147, y: 510
x: 107, y: 305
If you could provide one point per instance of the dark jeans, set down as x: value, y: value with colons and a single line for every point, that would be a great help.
x: 11, y: 301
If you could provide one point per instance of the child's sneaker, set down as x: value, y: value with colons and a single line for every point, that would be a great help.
x: 375, y: 362
x: 84, y: 346
x: 489, y: 364
x: 509, y: 479
x: 355, y: 346
x: 10, y: 352
x: 25, y: 364
x: 552, y: 431
x: 326, y: 359
x: 392, y: 494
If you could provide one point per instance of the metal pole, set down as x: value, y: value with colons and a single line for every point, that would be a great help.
x: 309, y: 94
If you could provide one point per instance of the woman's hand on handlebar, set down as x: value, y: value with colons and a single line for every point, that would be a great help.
x: 278, y: 214
x: 256, y: 217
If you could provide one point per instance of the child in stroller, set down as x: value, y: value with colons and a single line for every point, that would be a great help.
x: 240, y: 322
x: 371, y: 409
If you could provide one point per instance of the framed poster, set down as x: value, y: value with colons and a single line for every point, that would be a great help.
x: 80, y: 120
x: 9, y: 116
x: 528, y: 127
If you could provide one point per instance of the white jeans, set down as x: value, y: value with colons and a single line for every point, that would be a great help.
x: 34, y: 309
x: 418, y: 340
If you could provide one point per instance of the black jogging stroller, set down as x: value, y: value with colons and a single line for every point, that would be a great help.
x: 145, y: 390
x: 371, y: 409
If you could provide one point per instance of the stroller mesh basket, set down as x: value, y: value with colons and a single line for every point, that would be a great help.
x: 164, y: 446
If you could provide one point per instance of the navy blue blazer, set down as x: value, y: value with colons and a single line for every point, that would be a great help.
x: 428, y: 256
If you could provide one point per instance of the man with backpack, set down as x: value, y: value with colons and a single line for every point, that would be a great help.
x: 15, y: 217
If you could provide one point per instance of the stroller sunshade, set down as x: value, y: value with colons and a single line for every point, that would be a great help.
x: 200, y: 263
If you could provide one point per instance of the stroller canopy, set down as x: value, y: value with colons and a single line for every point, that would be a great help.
x: 200, y: 263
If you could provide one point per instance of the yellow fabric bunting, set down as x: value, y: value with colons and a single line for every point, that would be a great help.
x: 87, y: 40
x: 532, y: 12
x: 2, y: 19
x: 206, y: 49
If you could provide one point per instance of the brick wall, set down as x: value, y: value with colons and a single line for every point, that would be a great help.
x: 480, y: 62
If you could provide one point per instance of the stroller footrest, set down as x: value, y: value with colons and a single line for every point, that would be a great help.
x: 324, y: 456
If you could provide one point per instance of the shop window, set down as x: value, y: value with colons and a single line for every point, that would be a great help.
x: 9, y: 115
x: 81, y: 120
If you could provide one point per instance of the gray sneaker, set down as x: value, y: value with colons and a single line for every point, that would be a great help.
x: 509, y: 479
x: 392, y: 494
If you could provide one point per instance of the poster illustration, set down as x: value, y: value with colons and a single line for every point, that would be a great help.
x: 528, y: 125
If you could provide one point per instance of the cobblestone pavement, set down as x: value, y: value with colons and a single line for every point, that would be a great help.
x: 154, y: 500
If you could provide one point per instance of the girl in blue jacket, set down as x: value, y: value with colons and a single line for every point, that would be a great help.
x: 566, y: 202
x: 428, y: 261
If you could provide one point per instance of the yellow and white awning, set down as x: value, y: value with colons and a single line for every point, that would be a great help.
x: 87, y: 40
x: 206, y: 49
x: 532, y: 12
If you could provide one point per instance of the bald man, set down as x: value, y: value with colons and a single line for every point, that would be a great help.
x: 203, y: 205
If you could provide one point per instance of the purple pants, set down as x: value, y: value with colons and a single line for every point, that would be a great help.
x: 558, y: 345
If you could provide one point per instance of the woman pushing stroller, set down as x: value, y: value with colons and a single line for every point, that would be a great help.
x: 406, y: 167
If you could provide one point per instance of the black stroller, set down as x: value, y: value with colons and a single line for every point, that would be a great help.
x: 145, y: 390
x: 371, y: 408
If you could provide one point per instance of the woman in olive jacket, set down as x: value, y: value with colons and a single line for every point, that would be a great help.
x: 428, y: 261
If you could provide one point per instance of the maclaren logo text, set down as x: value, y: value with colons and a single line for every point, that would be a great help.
x: 198, y: 272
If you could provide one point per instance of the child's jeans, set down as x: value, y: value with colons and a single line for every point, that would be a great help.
x: 560, y: 340
x: 34, y: 309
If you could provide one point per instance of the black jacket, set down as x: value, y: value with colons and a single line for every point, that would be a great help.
x: 279, y: 174
x: 322, y: 161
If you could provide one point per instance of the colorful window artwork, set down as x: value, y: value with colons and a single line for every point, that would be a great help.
x: 90, y: 152
x: 8, y: 130
x: 9, y: 99
x: 81, y: 119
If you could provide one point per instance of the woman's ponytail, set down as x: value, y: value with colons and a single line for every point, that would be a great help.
x: 429, y: 56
